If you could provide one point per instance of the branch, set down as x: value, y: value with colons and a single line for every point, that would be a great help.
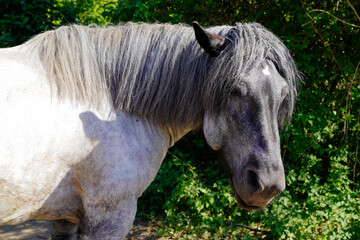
x: 348, y: 99
x: 312, y: 19
x: 356, y: 154
x: 347, y: 112
x: 352, y: 80
x: 331, y: 52
x: 252, y: 229
x: 321, y: 37
x: 323, y: 11
x: 352, y: 7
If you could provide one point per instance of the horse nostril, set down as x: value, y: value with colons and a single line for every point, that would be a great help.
x: 252, y: 180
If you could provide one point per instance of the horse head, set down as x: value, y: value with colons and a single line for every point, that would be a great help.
x: 245, y: 128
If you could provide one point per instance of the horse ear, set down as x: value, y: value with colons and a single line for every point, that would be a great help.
x: 212, y: 43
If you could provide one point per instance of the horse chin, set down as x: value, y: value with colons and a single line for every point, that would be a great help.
x: 242, y: 204
x: 228, y: 172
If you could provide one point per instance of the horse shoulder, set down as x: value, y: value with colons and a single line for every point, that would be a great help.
x: 128, y: 154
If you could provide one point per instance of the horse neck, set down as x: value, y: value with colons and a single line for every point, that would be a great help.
x: 175, y: 134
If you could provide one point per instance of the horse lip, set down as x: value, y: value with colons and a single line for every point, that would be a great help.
x: 243, y: 204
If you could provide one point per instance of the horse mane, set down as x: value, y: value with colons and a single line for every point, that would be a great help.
x: 157, y: 71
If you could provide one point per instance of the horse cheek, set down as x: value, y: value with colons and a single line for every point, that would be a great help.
x: 213, y: 131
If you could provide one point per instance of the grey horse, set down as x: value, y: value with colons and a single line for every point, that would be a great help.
x: 88, y: 114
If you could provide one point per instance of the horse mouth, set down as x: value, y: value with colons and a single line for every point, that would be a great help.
x: 243, y: 204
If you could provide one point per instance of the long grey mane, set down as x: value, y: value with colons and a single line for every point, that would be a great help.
x: 157, y: 71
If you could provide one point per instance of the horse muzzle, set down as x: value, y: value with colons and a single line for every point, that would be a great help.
x: 255, y: 188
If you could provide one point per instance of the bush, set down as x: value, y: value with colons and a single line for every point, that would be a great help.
x: 20, y: 19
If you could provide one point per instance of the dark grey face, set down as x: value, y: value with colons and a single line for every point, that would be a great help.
x: 246, y: 131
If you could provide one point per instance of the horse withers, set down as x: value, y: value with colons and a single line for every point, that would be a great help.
x: 88, y: 113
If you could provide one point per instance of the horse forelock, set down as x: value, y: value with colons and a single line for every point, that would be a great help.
x: 157, y: 71
x: 251, y: 45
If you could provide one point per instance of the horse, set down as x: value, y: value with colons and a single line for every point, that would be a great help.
x: 88, y: 114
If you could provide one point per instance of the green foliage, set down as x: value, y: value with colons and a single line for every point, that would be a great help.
x: 320, y: 149
x: 20, y: 19
x: 175, y: 11
x: 81, y: 11
x: 183, y: 188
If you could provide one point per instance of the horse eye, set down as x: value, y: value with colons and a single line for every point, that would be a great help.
x: 236, y: 92
x: 277, y: 67
x: 280, y: 71
x: 240, y: 91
